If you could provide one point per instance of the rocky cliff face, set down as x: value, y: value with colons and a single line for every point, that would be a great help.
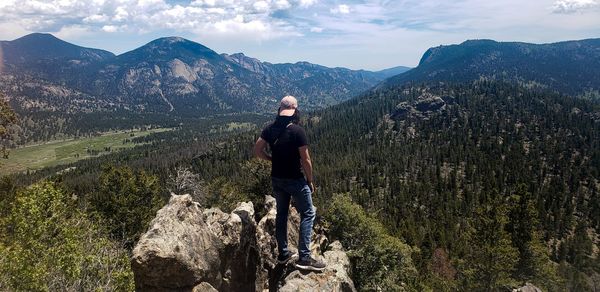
x: 188, y: 248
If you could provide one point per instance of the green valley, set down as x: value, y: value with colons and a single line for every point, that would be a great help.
x: 59, y: 152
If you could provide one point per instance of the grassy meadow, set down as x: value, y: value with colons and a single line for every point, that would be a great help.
x: 53, y: 153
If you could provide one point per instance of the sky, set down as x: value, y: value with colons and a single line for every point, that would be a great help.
x: 368, y: 34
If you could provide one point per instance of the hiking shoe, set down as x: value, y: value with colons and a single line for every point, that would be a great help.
x: 310, y: 264
x: 282, y: 260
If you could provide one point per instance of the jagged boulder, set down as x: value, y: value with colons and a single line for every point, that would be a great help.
x: 186, y: 246
x: 190, y: 249
x: 238, y: 256
x: 178, y: 251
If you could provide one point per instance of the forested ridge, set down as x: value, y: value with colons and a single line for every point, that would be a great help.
x: 570, y: 67
x: 500, y: 178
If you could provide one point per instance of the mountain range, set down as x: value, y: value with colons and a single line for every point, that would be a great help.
x: 168, y: 74
x: 59, y: 88
x: 43, y: 73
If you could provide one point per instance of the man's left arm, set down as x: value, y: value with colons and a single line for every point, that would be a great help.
x: 260, y: 149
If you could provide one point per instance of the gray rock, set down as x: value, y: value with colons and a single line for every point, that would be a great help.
x: 178, y: 251
x: 185, y: 246
x: 528, y: 288
x: 335, y: 277
x: 423, y: 107
x: 204, y: 287
x: 239, y: 256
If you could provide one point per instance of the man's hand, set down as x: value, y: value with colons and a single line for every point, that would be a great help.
x: 311, y: 185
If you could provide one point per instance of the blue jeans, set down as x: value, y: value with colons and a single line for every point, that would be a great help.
x: 284, y: 190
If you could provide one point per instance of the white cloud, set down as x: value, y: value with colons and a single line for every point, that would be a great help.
x: 96, y: 18
x: 5, y: 3
x: 282, y: 4
x: 121, y: 14
x: 571, y: 6
x: 307, y: 3
x: 341, y: 9
x: 10, y: 30
x: 73, y: 31
x: 204, y: 3
x: 237, y: 24
x: 261, y: 6
x: 140, y: 16
x: 110, y: 28
x: 270, y: 29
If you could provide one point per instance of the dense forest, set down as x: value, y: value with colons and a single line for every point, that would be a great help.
x: 472, y: 186
x: 501, y: 180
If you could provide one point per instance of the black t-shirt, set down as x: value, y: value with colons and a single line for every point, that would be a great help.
x: 285, y: 138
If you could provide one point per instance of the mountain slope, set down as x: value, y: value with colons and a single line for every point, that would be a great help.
x: 175, y: 72
x: 571, y: 67
x: 393, y: 71
x: 310, y: 79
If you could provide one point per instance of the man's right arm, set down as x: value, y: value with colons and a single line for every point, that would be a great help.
x: 307, y: 166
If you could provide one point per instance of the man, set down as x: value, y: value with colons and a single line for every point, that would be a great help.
x: 289, y: 148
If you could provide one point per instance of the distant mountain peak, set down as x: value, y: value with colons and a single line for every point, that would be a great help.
x: 479, y: 42
x: 168, y: 48
x: 241, y: 56
x: 36, y: 46
x: 183, y: 74
x: 171, y: 40
x: 175, y: 39
x: 40, y: 36
x: 37, y: 39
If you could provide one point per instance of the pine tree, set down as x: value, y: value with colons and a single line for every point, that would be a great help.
x: 7, y: 118
x: 127, y: 200
x: 534, y: 263
x: 492, y: 259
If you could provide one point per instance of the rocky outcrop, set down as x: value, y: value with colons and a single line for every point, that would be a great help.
x: 528, y: 288
x: 178, y: 251
x: 187, y: 248
x: 238, y: 255
x: 423, y: 107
